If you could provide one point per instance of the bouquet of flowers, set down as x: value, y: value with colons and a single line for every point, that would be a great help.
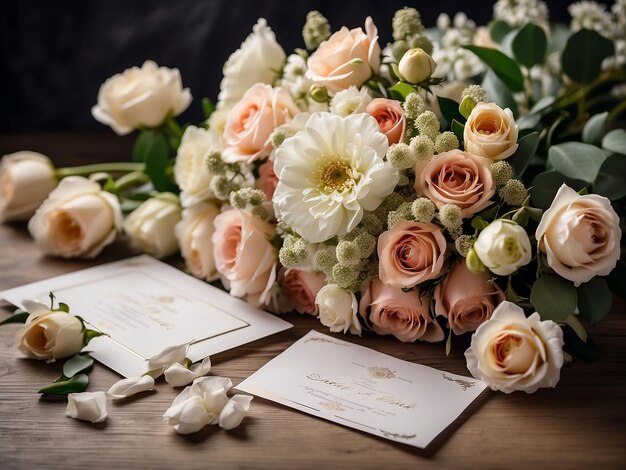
x: 446, y: 184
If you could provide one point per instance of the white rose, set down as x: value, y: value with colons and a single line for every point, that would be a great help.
x: 77, y: 219
x: 338, y: 309
x: 350, y: 101
x: 194, y: 234
x: 190, y: 170
x: 131, y: 386
x: 580, y: 235
x: 141, y: 97
x: 503, y: 247
x: 256, y: 61
x: 177, y: 375
x: 510, y: 352
x: 170, y: 355
x: 87, y: 406
x: 26, y: 179
x: 416, y: 65
x: 490, y: 132
x: 151, y: 226
x: 49, y: 335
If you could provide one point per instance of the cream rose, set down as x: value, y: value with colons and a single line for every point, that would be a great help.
x: 77, y: 220
x: 252, y: 120
x: 151, y: 227
x: 302, y: 288
x: 26, y: 179
x: 511, y: 353
x: 244, y: 255
x: 580, y: 235
x: 141, y: 97
x: 410, y: 253
x: 338, y: 309
x: 405, y: 315
x: 48, y: 334
x: 456, y: 177
x: 194, y: 234
x: 490, y: 132
x: 256, y: 61
x: 190, y: 170
x: 348, y: 57
x: 466, y: 299
x: 390, y: 117
x: 503, y: 247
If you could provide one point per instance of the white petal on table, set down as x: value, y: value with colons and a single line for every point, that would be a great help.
x: 87, y: 406
x: 131, y: 386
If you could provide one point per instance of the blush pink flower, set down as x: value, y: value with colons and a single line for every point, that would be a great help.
x: 404, y: 315
x: 302, y: 288
x: 390, y: 117
x: 267, y: 180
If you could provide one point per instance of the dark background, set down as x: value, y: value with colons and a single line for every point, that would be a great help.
x: 57, y: 53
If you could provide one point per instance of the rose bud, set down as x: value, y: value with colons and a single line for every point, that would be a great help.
x: 416, y: 66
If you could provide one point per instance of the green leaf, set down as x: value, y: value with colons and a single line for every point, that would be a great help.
x: 157, y: 161
x: 594, y: 300
x: 77, y: 364
x: 142, y: 145
x: 76, y: 384
x: 554, y: 298
x: 583, y: 55
x: 553, y: 128
x: 401, y: 90
x: 576, y: 160
x: 595, y: 129
x: 615, y: 141
x: 545, y: 185
x: 449, y: 111
x: 479, y: 223
x: 63, y: 307
x: 611, y: 179
x: 18, y: 317
x: 503, y: 66
x: 498, y: 92
x: 582, y: 350
x: 458, y: 129
x: 91, y: 334
x: 467, y: 106
x: 527, y: 147
x: 530, y: 45
x: 498, y: 29
x: 207, y: 107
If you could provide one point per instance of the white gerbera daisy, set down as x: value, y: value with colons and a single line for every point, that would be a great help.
x: 331, y: 172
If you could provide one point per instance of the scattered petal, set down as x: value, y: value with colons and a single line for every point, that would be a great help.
x: 178, y: 375
x: 234, y: 411
x: 131, y: 386
x: 87, y: 406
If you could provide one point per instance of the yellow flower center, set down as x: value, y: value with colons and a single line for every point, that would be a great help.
x: 512, y: 249
x: 335, y: 175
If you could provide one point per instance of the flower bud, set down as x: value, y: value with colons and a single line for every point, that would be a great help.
x: 416, y: 66
x: 473, y: 262
x: 319, y: 93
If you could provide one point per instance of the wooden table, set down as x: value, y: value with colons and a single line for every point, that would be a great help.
x: 581, y: 423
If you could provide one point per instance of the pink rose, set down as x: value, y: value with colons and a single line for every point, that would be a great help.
x: 267, y: 179
x: 456, y: 177
x: 405, y: 315
x: 302, y: 288
x: 410, y: 253
x: 390, y: 117
x: 253, y: 119
x: 244, y: 255
x: 466, y: 299
x: 348, y: 57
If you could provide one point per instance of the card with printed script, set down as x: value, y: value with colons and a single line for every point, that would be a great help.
x: 145, y: 305
x: 364, y: 389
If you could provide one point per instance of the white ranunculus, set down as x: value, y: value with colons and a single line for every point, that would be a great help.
x: 151, y: 226
x: 177, y: 375
x: 338, y: 309
x: 256, y: 61
x: 170, y: 355
x: 580, y: 235
x: 352, y: 100
x: 194, y: 234
x: 131, y: 386
x: 190, y: 170
x: 416, y: 65
x: 329, y: 173
x: 490, y: 132
x: 87, y: 406
x: 510, y: 352
x: 26, y: 179
x: 503, y: 247
x: 141, y: 97
x: 77, y: 220
x: 49, y: 335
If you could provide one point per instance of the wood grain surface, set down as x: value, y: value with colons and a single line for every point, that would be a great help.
x: 580, y: 424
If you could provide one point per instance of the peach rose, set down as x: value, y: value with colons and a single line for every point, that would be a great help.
x: 267, y: 180
x: 390, y: 117
x: 490, y: 132
x: 244, y: 255
x: 302, y: 288
x: 410, y: 253
x: 456, y: 177
x: 466, y: 299
x: 253, y: 119
x: 348, y: 57
x: 405, y: 315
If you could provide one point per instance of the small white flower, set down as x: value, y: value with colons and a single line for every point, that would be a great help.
x: 87, y: 406
x: 352, y: 100
x: 503, y: 247
x: 338, y: 309
x: 131, y: 386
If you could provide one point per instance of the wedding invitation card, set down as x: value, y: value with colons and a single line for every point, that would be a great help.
x: 364, y: 389
x: 145, y: 305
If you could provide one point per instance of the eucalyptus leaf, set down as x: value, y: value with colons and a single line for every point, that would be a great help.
x: 594, y: 300
x: 583, y: 55
x: 76, y: 384
x: 530, y: 45
x: 577, y: 160
x: 77, y: 364
x: 595, y: 128
x: 19, y: 317
x: 545, y: 186
x: 502, y: 65
x: 497, y: 91
x: 554, y: 298
x: 611, y: 179
x: 615, y: 141
x: 543, y: 104
x: 527, y: 147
